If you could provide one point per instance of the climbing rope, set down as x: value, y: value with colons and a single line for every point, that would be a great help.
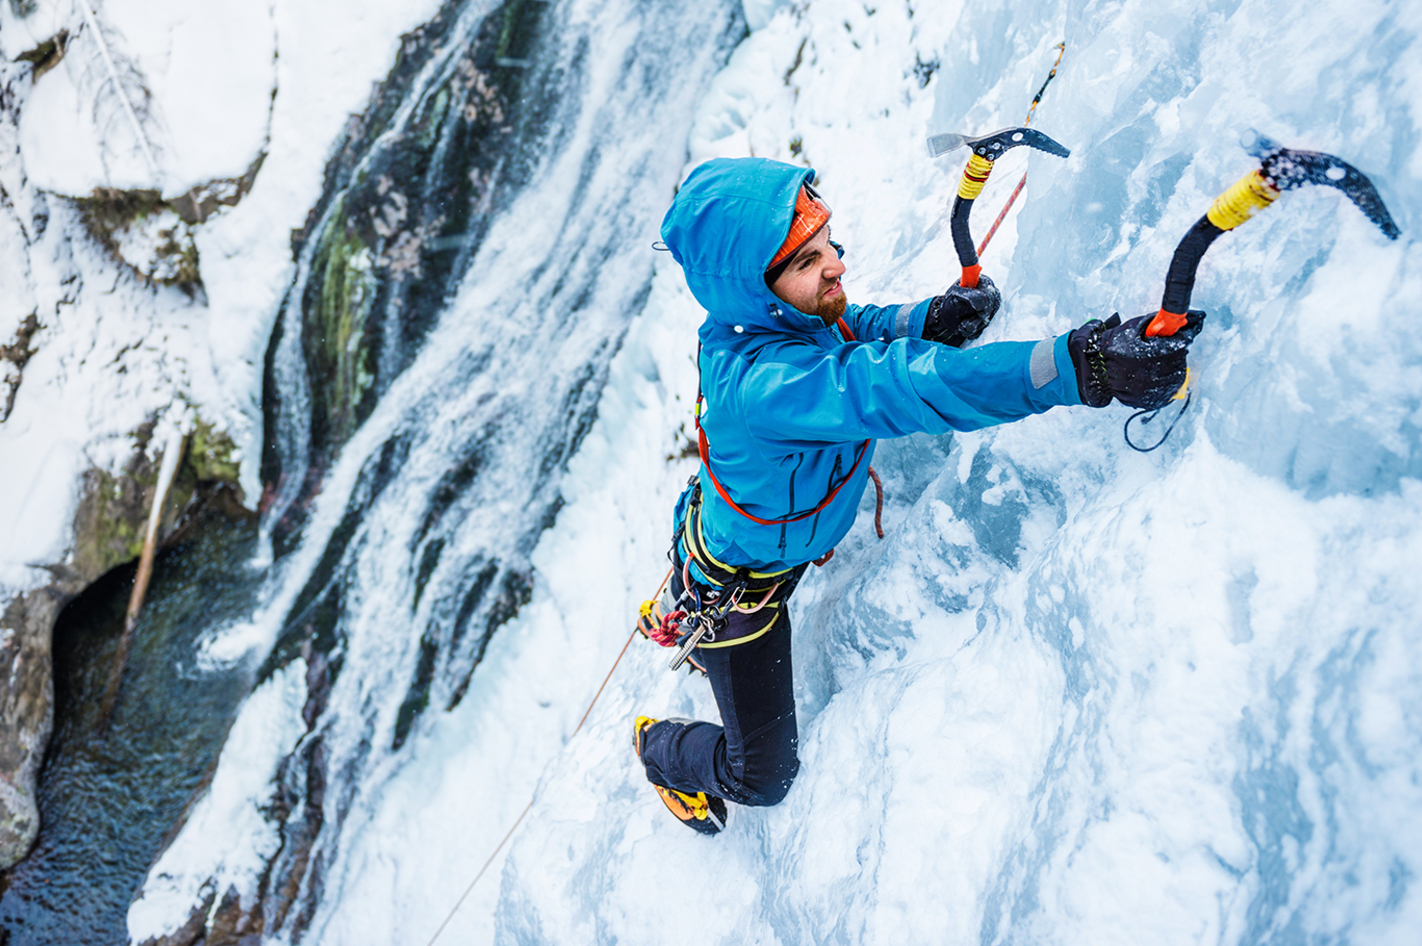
x: 527, y: 808
x: 878, y: 505
x: 1022, y: 182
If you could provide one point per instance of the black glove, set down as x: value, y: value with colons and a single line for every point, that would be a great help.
x: 961, y: 314
x: 1115, y: 360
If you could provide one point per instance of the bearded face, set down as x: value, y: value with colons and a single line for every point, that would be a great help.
x: 810, y: 282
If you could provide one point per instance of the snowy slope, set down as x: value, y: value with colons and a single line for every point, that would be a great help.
x: 1078, y: 694
x: 113, y: 353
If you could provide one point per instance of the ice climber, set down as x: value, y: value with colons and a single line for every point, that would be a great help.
x: 797, y: 386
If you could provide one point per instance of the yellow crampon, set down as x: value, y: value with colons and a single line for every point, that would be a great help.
x: 646, y: 617
x: 695, y: 805
x: 705, y: 814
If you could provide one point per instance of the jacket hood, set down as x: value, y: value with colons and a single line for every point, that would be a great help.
x: 723, y: 228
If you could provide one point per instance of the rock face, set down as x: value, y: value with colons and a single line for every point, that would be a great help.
x: 108, y: 531
x: 26, y: 714
x: 101, y: 301
x: 109, y: 517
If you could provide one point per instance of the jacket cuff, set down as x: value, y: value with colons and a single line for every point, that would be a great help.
x: 1052, y: 372
x: 910, y: 318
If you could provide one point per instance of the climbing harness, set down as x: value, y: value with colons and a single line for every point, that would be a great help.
x: 1022, y: 181
x: 698, y: 615
x: 986, y: 150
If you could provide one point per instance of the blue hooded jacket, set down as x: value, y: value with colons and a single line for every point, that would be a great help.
x: 788, y: 401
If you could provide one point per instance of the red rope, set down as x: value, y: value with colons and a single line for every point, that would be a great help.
x: 666, y: 634
x: 878, y: 502
x: 467, y: 890
x: 1061, y: 51
x: 1002, y: 216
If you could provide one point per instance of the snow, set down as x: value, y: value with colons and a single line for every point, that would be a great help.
x: 227, y: 813
x: 210, y: 71
x: 1078, y: 694
x: 113, y: 353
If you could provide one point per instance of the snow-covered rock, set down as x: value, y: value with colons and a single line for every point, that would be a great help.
x: 96, y: 357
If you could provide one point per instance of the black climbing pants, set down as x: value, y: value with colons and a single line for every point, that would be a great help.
x: 750, y: 758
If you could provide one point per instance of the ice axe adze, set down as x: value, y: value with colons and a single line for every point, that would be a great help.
x: 1280, y: 169
x: 986, y: 149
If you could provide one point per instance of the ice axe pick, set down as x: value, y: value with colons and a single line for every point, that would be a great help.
x: 986, y: 149
x: 1280, y: 169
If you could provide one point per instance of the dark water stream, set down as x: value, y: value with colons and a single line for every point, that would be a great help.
x: 109, y: 795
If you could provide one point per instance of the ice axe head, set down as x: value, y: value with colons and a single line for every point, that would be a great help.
x: 992, y: 146
x: 1287, y: 169
x: 1280, y: 169
x: 986, y: 149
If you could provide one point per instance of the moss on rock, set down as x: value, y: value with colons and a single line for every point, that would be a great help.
x: 349, y: 286
x: 210, y: 454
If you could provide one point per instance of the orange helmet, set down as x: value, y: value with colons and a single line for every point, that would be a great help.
x: 811, y: 213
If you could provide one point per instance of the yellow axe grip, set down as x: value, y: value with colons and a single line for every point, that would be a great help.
x: 1246, y: 197
x: 975, y: 175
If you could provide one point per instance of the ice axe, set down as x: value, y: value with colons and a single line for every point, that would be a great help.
x: 986, y: 149
x: 1280, y: 169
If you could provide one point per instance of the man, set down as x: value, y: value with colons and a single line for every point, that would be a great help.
x: 798, y: 385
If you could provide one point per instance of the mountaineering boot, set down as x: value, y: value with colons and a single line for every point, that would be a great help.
x: 649, y: 618
x: 700, y: 812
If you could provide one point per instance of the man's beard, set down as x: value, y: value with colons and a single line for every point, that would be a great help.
x: 832, y: 310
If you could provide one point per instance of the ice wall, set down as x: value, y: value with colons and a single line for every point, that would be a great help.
x: 1078, y: 694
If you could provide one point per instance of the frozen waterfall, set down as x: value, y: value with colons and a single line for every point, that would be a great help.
x: 1077, y: 695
